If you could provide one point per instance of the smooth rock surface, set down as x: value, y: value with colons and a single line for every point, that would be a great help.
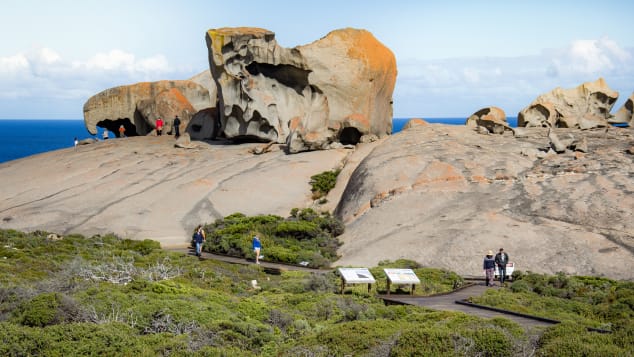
x: 144, y: 187
x: 438, y: 194
x: 444, y: 195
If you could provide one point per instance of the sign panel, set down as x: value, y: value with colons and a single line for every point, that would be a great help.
x: 402, y: 276
x: 356, y: 275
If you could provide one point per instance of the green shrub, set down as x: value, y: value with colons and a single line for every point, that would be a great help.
x: 305, y: 236
x: 40, y: 311
x: 324, y: 182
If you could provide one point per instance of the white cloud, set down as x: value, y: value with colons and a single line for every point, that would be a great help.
x: 590, y: 57
x: 44, y: 72
x: 460, y: 86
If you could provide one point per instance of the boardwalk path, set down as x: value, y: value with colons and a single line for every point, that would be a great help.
x: 445, y: 302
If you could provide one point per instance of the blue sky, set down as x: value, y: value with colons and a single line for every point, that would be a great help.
x: 453, y: 57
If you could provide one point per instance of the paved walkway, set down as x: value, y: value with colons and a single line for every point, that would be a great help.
x: 448, y: 302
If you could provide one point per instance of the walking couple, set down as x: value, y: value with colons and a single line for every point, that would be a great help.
x: 489, y: 264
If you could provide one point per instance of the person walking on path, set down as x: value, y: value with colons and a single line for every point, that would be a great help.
x: 257, y: 247
x: 501, y: 259
x: 76, y: 142
x: 489, y: 268
x: 159, y: 126
x: 199, y: 239
x: 177, y: 124
x: 121, y: 131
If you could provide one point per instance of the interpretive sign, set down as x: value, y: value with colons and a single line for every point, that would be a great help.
x: 401, y: 277
x: 356, y: 276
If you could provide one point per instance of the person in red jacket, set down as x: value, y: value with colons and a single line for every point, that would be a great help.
x: 159, y: 126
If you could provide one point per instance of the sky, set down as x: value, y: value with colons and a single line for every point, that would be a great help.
x: 453, y: 57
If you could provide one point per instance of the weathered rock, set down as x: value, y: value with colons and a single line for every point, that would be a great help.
x: 625, y: 115
x: 443, y: 195
x: 555, y: 143
x: 145, y: 188
x: 336, y: 89
x: 87, y: 141
x: 204, y: 124
x: 491, y: 118
x: 414, y: 122
x: 589, y: 103
x: 538, y: 115
x: 137, y: 106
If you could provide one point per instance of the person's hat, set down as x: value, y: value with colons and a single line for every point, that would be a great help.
x: 490, y: 252
x: 501, y: 249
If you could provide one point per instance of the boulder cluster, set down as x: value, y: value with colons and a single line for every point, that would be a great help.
x: 587, y: 106
x: 332, y: 92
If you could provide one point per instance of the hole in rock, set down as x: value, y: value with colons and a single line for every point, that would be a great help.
x: 349, y: 136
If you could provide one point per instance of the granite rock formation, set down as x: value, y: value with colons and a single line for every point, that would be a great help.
x: 438, y: 194
x: 414, y: 122
x: 493, y: 119
x: 444, y: 195
x: 137, y: 106
x: 625, y: 115
x: 334, y: 90
x: 586, y: 106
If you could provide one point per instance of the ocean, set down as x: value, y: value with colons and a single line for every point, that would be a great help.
x: 22, y: 138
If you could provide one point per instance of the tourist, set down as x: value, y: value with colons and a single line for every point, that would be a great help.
x: 489, y: 268
x: 76, y: 142
x: 176, y: 125
x: 105, y: 134
x: 121, y: 131
x: 501, y: 259
x: 257, y: 247
x: 159, y: 126
x: 199, y: 238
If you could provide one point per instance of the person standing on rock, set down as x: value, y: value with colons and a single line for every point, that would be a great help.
x: 199, y: 239
x: 122, y: 131
x: 257, y: 247
x: 105, y: 134
x: 489, y: 268
x: 176, y: 124
x: 501, y: 259
x: 159, y: 126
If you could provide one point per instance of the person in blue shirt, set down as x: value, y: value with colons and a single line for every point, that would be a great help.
x: 199, y: 239
x: 257, y: 247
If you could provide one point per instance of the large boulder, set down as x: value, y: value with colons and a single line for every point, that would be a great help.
x: 137, y: 106
x: 493, y: 119
x: 334, y: 90
x: 625, y: 115
x: 586, y: 106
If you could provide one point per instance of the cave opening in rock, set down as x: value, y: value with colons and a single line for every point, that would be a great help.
x: 349, y: 136
x: 290, y: 76
x: 113, y: 126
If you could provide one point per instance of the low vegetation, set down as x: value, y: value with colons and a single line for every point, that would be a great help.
x: 596, y: 314
x: 105, y: 295
x: 306, y: 237
x: 322, y: 183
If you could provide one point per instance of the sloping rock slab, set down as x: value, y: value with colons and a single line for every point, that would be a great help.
x: 144, y: 187
x: 444, y: 195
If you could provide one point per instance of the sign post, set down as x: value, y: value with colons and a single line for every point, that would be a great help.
x: 401, y: 277
x: 356, y: 276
